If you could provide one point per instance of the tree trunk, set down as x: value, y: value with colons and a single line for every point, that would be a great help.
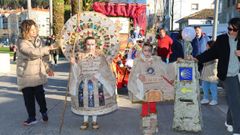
x: 58, y: 17
x: 74, y: 7
x: 77, y: 6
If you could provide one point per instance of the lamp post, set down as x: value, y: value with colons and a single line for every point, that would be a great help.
x: 50, y: 17
x: 214, y: 34
x: 29, y: 8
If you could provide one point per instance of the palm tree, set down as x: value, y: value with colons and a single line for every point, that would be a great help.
x: 74, y: 6
x: 58, y: 17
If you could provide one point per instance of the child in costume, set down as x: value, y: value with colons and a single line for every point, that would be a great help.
x: 149, y: 79
x: 92, y: 85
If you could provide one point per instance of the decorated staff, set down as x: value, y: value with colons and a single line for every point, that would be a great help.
x: 60, y: 42
x: 187, y: 114
x: 92, y: 83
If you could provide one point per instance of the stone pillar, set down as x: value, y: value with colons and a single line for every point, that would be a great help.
x: 187, y: 111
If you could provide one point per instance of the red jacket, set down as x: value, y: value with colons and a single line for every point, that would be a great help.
x: 164, y: 46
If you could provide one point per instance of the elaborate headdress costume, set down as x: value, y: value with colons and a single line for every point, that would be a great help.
x: 92, y: 83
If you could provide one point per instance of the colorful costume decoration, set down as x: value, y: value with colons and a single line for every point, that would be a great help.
x: 92, y: 84
x: 136, y: 37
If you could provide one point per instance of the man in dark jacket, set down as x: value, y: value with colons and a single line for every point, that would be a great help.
x: 177, y: 47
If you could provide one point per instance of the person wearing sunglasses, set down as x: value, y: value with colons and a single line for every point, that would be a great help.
x: 227, y: 50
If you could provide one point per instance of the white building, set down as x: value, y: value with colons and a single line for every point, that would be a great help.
x: 41, y: 17
x: 203, y: 17
x: 182, y: 8
x: 10, y: 21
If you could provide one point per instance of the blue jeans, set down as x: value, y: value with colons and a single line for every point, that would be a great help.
x: 206, y: 85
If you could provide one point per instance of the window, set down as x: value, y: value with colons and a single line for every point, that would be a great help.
x: 220, y: 8
x: 208, y: 22
x: 194, y: 6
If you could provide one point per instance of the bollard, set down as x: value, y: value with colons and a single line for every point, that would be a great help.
x: 187, y: 112
x: 5, y: 63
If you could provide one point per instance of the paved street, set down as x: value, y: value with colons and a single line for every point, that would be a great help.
x: 125, y: 121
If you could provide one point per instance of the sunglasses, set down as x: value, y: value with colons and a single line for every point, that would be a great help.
x: 232, y: 29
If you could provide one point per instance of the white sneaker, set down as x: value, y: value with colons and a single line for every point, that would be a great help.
x: 236, y: 134
x: 229, y: 127
x: 204, y: 101
x: 213, y: 102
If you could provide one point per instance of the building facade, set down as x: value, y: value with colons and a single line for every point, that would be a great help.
x: 177, y: 9
x: 203, y: 17
x: 41, y: 17
x: 227, y: 10
x: 10, y: 21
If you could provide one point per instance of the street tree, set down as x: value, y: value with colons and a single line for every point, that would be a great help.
x: 58, y: 17
x: 75, y: 6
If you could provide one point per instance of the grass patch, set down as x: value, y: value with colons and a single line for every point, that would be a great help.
x: 6, y: 50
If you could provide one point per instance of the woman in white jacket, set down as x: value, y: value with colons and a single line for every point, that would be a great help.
x: 32, y: 68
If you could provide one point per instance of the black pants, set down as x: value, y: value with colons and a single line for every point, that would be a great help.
x: 29, y: 95
x: 232, y: 88
x: 14, y: 56
x: 200, y: 67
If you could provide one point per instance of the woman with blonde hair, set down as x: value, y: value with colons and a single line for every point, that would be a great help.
x: 32, y: 68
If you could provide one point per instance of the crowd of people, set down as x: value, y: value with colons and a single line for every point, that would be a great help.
x: 94, y: 92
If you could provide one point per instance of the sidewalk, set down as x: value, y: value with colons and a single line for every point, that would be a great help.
x: 125, y: 121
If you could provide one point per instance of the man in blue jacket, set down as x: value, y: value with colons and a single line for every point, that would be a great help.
x: 199, y: 44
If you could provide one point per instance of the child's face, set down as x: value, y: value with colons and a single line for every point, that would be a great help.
x: 147, y: 51
x: 91, y: 44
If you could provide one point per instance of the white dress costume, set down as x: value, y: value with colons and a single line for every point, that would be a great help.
x: 93, y: 86
x: 92, y: 83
